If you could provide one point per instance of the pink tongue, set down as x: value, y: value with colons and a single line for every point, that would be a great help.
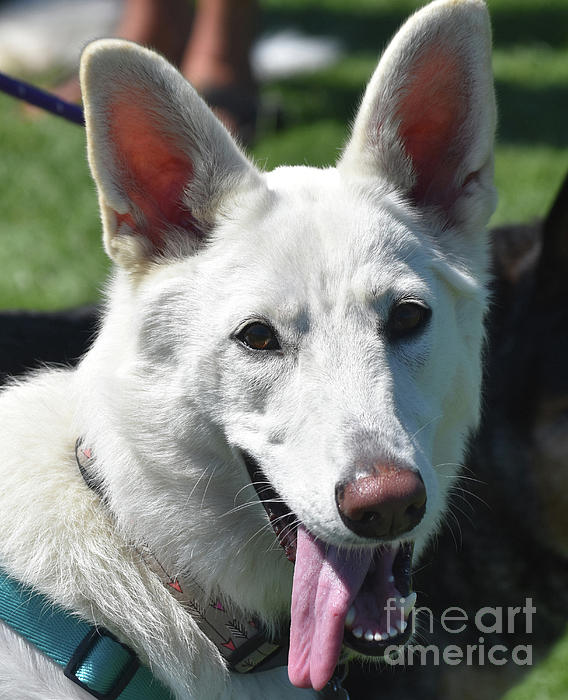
x: 326, y: 582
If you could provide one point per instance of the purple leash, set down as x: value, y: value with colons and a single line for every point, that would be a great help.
x: 41, y: 98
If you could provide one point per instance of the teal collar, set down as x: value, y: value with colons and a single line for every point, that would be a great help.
x: 90, y: 656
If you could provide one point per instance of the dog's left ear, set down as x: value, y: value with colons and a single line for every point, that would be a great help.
x: 162, y: 162
x: 426, y: 124
x: 552, y: 280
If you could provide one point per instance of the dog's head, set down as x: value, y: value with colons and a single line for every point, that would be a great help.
x: 315, y: 334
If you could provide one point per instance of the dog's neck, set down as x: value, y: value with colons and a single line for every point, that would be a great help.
x: 242, y: 643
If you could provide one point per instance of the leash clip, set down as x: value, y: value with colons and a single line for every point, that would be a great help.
x: 334, y: 690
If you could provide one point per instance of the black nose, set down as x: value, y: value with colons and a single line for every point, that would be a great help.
x: 386, y: 504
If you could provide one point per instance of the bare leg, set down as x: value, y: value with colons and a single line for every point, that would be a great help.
x: 217, y: 60
x: 160, y: 24
x: 218, y: 52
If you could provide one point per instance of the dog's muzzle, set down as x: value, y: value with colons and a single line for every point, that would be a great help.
x: 380, y: 613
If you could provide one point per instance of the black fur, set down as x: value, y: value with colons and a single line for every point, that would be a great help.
x: 29, y: 339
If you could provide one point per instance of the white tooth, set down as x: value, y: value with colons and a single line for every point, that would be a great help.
x: 391, y: 579
x: 397, y: 624
x: 350, y: 616
x: 409, y: 604
x: 369, y: 636
x: 401, y: 625
x: 358, y: 632
x: 393, y: 632
x: 378, y: 637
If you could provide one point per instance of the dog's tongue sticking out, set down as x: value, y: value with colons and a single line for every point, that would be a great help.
x: 326, y: 583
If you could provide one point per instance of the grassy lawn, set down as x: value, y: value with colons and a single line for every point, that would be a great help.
x: 50, y: 252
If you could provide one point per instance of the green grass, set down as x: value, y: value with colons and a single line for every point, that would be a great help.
x: 50, y: 250
x: 549, y: 680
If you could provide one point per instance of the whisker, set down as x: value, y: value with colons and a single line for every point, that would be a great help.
x: 204, y: 471
x: 249, y: 504
x: 269, y: 525
x: 283, y: 517
x: 251, y: 538
x: 464, y: 499
x: 285, y: 532
x: 265, y: 484
x: 450, y: 528
x: 454, y: 488
x: 206, y: 488
x: 432, y: 420
x: 266, y: 526
x: 467, y: 469
x: 242, y: 506
x: 424, y: 566
x: 246, y: 486
x: 459, y: 477
x: 465, y: 515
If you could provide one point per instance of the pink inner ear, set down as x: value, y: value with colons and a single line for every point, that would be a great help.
x: 154, y: 172
x: 432, y: 113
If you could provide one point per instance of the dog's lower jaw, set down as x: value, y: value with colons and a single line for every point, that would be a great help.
x: 369, y: 628
x: 360, y: 598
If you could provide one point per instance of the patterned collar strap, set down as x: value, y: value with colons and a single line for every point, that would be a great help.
x: 241, y: 642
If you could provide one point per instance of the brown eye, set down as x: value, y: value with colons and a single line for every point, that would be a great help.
x: 258, y: 336
x: 407, y: 318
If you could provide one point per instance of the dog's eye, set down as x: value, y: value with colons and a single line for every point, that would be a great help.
x: 408, y: 317
x: 258, y: 336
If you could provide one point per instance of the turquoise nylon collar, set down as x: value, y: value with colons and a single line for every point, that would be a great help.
x: 91, y: 657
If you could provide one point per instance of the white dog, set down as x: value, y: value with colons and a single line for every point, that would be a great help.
x: 298, y: 348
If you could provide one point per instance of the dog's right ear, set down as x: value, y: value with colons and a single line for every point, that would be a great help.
x: 426, y: 124
x: 161, y: 160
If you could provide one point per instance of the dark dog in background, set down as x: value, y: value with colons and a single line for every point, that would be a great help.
x: 29, y: 339
x: 509, y: 540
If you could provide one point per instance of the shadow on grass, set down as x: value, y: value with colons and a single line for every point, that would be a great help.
x: 533, y: 116
x: 309, y: 99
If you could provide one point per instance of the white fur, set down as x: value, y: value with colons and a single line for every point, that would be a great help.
x: 167, y: 397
